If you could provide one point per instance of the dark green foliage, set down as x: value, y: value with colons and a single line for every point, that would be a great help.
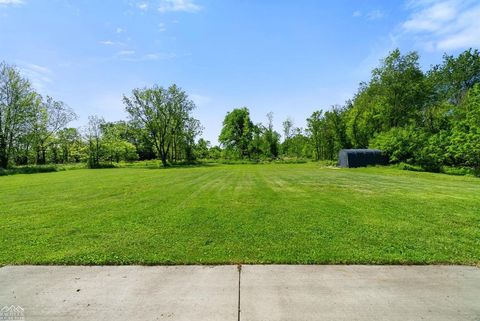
x: 400, y: 143
x: 465, y: 139
x: 431, y: 120
x: 237, y: 133
x: 244, y: 140
x: 327, y: 133
x: 28, y: 170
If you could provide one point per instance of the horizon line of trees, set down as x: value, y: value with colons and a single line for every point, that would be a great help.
x: 430, y: 119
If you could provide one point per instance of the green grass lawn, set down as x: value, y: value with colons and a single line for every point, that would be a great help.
x: 273, y: 213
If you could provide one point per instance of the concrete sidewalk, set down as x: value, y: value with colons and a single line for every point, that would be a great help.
x: 261, y: 293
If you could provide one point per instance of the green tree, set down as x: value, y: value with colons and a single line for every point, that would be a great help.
x: 192, y: 130
x: 215, y: 152
x: 394, y: 97
x: 95, y: 141
x: 288, y: 127
x: 165, y: 114
x: 115, y: 142
x: 70, y: 145
x: 456, y: 75
x: 202, y: 148
x: 402, y: 144
x: 237, y: 132
x: 399, y: 84
x: 300, y: 145
x: 465, y: 139
x: 16, y: 104
x: 316, y: 133
x: 272, y: 139
x: 50, y: 117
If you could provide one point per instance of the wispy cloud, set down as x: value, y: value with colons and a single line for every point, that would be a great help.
x: 445, y: 24
x: 143, y: 6
x: 375, y: 14
x: 164, y: 6
x: 111, y: 43
x: 132, y: 56
x: 159, y: 56
x: 178, y: 6
x: 40, y: 76
x: 11, y: 2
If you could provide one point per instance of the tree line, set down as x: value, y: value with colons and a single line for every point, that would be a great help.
x: 426, y: 118
x: 34, y: 129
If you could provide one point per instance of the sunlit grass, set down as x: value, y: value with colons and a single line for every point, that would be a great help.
x: 269, y: 213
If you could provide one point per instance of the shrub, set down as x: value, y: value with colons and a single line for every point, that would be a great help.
x: 401, y: 144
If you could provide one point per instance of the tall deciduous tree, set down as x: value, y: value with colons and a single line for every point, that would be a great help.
x: 50, y: 117
x: 70, y: 145
x: 237, y: 132
x: 16, y: 101
x: 315, y: 131
x: 166, y: 116
x: 287, y: 134
x: 94, y: 139
x: 465, y: 138
x: 456, y: 75
x: 272, y: 138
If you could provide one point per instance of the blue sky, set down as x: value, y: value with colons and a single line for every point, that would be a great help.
x: 289, y: 57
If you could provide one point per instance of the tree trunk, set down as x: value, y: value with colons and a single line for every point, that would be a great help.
x: 164, y: 159
x: 40, y: 156
x: 44, y: 160
x: 3, y: 154
x: 3, y: 161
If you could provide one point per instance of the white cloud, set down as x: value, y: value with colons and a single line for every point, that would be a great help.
x: 178, y: 5
x: 11, y: 2
x: 142, y: 6
x: 357, y: 13
x: 445, y: 24
x: 111, y: 43
x: 161, y: 27
x: 39, y: 69
x: 120, y: 30
x: 132, y: 56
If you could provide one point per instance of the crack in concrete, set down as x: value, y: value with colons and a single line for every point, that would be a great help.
x: 239, y: 268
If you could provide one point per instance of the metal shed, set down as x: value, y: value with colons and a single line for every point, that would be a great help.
x: 361, y: 157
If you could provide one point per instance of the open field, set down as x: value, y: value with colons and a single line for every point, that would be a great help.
x: 296, y: 213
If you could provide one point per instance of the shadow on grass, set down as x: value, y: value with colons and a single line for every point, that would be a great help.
x: 29, y: 170
x: 37, y: 169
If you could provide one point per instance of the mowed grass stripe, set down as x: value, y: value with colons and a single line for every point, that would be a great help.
x: 273, y: 213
